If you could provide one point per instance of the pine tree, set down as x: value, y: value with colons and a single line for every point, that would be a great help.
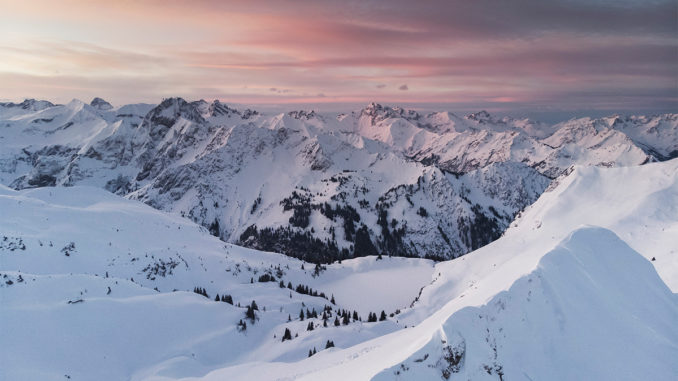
x: 332, y: 300
x: 309, y: 327
x: 329, y: 344
x: 228, y: 299
x: 355, y: 316
x: 346, y: 319
x: 301, y: 315
x: 254, y: 306
x: 310, y: 353
x: 383, y: 316
x: 216, y: 298
x: 242, y: 325
x: 250, y: 314
x: 336, y: 321
x: 289, y: 317
x: 287, y: 335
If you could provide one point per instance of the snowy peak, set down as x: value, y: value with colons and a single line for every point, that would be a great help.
x: 170, y: 111
x: 376, y: 113
x: 482, y: 117
x: 302, y: 114
x: 29, y: 105
x: 217, y: 108
x: 100, y: 104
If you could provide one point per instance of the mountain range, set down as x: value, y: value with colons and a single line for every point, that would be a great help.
x: 320, y: 186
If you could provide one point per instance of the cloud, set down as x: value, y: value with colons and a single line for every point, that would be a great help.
x: 532, y: 52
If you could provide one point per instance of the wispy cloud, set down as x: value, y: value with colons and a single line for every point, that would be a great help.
x: 524, y: 53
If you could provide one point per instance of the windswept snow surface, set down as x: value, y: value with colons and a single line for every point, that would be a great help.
x: 585, y: 280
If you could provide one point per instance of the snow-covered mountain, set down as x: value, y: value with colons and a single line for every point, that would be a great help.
x: 95, y: 286
x: 554, y: 298
x: 319, y: 186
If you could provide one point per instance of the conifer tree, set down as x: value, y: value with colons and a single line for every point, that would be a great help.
x: 242, y: 325
x: 250, y: 314
x: 287, y: 335
x: 383, y: 316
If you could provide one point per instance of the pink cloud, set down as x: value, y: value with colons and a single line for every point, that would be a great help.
x: 447, y: 51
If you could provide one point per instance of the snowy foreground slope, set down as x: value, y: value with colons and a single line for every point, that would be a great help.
x: 551, y: 299
x: 95, y: 286
x: 592, y: 309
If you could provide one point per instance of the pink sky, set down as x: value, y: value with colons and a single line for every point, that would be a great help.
x: 522, y: 54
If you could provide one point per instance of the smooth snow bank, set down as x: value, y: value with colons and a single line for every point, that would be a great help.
x: 108, y: 337
x: 593, y: 309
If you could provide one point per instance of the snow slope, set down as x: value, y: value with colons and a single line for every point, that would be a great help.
x: 598, y: 270
x: 95, y: 286
x: 592, y: 309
